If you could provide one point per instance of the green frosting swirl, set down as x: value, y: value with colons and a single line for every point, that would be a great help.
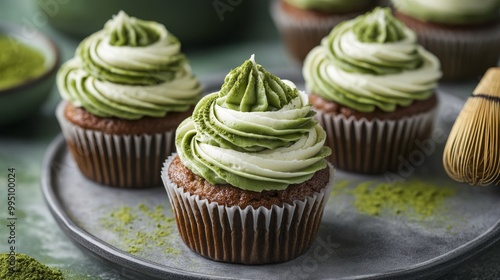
x: 129, y: 31
x: 376, y: 28
x: 130, y: 69
x: 138, y: 34
x: 453, y: 12
x: 337, y: 6
x: 250, y: 88
x: 372, y: 61
x: 257, y: 133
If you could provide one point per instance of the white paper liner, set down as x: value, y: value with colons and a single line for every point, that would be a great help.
x: 373, y: 146
x: 126, y: 161
x: 464, y: 53
x: 249, y: 235
x: 300, y: 35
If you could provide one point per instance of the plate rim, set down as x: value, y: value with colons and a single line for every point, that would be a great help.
x: 115, y: 257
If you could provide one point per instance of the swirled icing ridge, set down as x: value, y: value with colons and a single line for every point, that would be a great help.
x: 130, y: 69
x: 371, y: 61
x: 334, y: 6
x: 256, y: 133
x: 453, y: 12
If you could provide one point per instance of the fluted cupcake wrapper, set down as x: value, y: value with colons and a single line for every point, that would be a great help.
x: 302, y: 35
x: 125, y: 161
x: 249, y: 235
x: 373, y: 146
x: 464, y: 53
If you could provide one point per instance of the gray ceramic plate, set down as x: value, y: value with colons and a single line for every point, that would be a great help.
x: 350, y: 244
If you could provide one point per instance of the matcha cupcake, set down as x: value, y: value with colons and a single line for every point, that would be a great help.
x: 250, y: 180
x: 373, y: 87
x: 124, y: 93
x: 463, y: 34
x: 303, y: 23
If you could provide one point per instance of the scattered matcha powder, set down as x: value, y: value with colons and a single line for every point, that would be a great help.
x: 155, y: 229
x: 124, y: 216
x: 413, y: 198
x: 26, y: 268
x: 339, y: 187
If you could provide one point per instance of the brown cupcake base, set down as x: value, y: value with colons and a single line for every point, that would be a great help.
x: 302, y: 30
x: 122, y: 158
x: 246, y: 235
x: 228, y: 195
x: 377, y: 143
x: 330, y: 107
x: 146, y: 125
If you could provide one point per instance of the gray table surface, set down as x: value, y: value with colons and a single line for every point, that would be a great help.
x: 23, y: 147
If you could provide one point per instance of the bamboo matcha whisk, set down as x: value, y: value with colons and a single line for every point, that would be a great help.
x: 472, y: 151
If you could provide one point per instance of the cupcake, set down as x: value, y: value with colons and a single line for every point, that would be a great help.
x: 124, y: 94
x: 463, y: 34
x: 303, y: 23
x: 373, y: 88
x: 249, y: 181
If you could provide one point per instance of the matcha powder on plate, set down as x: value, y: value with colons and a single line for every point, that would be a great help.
x: 142, y: 227
x: 414, y: 198
x: 26, y: 268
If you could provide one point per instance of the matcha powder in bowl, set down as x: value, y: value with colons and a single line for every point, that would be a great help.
x: 26, y: 268
x: 18, y: 62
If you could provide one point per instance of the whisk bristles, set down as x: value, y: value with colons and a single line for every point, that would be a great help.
x: 472, y: 151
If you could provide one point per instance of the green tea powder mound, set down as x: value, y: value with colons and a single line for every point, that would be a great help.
x: 24, y: 267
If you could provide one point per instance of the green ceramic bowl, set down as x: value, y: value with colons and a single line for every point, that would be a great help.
x: 20, y: 101
x: 194, y: 22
